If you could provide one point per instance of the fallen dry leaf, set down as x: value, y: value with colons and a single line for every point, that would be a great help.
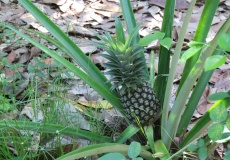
x: 98, y: 59
x: 78, y: 17
x: 24, y: 58
x: 57, y: 2
x: 28, y: 18
x: 111, y: 7
x: 203, y: 104
x: 35, y: 51
x: 78, y: 7
x: 154, y: 10
x: 11, y: 56
x: 5, y: 1
x: 66, y: 5
x: 96, y: 104
x: 48, y: 61
x: 8, y: 73
x: 97, y: 17
x: 180, y: 4
x: 224, y: 82
x: 88, y: 49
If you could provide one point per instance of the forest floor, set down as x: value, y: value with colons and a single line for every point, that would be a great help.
x: 80, y: 19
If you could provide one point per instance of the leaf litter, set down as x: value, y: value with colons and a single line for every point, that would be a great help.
x: 80, y: 19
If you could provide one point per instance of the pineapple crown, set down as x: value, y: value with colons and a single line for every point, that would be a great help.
x: 126, y: 66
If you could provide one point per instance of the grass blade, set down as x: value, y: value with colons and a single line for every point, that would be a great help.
x: 54, y: 128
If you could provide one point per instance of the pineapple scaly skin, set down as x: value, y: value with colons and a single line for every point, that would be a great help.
x: 142, y: 105
x: 127, y: 70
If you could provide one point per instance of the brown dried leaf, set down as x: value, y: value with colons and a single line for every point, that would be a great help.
x: 35, y: 51
x: 140, y: 5
x: 215, y: 76
x: 197, y: 114
x: 95, y: 104
x: 22, y: 86
x: 105, y: 26
x: 111, y: 7
x: 179, y: 71
x: 11, y: 56
x: 88, y: 49
x: 108, y: 14
x: 79, y: 89
x: 180, y: 4
x: 97, y: 59
x: 80, y: 30
x: 224, y: 82
x: 28, y: 18
x: 225, y: 67
x: 48, y: 61
x: 8, y: 73
x: 24, y: 58
x: 28, y: 111
x: 85, y: 16
x: 19, y: 51
x: 154, y: 10
x: 203, y: 104
x: 78, y: 7
x: 45, y: 9
x: 57, y: 2
x: 202, y: 108
x: 96, y: 17
x: 16, y: 14
x: 212, y: 90
x: 5, y: 1
x: 227, y: 3
x: 66, y: 6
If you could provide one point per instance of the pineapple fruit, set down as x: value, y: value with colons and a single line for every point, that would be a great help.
x: 128, y: 76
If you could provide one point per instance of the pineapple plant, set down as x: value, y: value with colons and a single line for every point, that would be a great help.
x: 127, y: 71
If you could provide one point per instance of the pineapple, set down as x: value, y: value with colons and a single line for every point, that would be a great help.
x: 128, y: 76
